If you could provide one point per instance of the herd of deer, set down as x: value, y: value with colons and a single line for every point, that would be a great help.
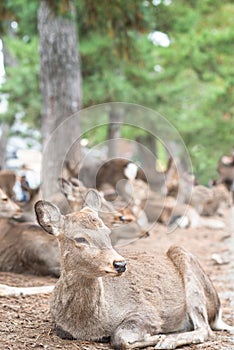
x: 165, y: 301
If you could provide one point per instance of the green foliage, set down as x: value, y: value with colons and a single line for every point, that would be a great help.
x: 196, y: 85
x: 114, y: 79
x: 190, y: 82
x: 22, y: 83
x: 24, y: 14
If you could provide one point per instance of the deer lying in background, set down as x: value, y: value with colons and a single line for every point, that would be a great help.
x: 226, y: 169
x: 8, y: 208
x: 24, y: 247
x: 226, y: 172
x: 166, y: 210
x: 173, y: 214
x: 122, y: 221
x: 162, y: 300
x: 178, y: 182
x: 7, y: 181
x: 28, y: 214
x: 113, y: 171
x: 209, y: 201
x: 206, y: 201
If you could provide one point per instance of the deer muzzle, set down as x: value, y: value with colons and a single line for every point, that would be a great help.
x: 120, y: 266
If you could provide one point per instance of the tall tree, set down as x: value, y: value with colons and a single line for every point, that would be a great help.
x: 60, y: 83
x: 59, y: 62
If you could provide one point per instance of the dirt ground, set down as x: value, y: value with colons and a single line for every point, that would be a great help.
x: 25, y: 322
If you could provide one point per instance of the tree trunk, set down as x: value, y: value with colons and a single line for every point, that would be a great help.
x: 147, y: 150
x: 60, y: 85
x: 114, y: 132
x: 3, y: 144
x: 9, y: 61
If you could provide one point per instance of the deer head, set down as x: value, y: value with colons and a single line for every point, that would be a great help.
x: 8, y: 208
x: 84, y: 240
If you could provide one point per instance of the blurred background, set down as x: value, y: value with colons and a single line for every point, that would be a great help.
x: 173, y: 56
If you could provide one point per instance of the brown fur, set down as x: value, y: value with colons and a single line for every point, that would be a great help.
x: 208, y: 201
x: 226, y: 171
x: 120, y: 219
x: 25, y: 248
x: 113, y: 171
x: 94, y: 298
x: 7, y: 181
x: 7, y: 207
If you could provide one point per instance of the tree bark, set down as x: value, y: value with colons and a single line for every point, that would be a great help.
x: 3, y: 144
x: 114, y: 132
x: 9, y: 61
x: 60, y: 84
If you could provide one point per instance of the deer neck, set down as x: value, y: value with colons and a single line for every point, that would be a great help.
x: 86, y: 296
x: 89, y: 291
x: 5, y: 225
x: 4, y: 221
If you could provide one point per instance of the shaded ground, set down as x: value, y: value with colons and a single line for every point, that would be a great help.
x: 25, y: 321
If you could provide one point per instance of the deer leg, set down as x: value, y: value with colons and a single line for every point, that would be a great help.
x: 134, y: 329
x: 220, y: 325
x: 199, y: 292
x: 202, y: 301
x: 173, y: 341
x: 200, y: 334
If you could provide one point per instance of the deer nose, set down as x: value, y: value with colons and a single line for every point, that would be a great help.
x: 120, y: 266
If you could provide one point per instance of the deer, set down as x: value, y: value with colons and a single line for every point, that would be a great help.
x: 169, y: 212
x: 226, y: 169
x: 24, y: 247
x: 165, y: 301
x: 7, y: 207
x: 121, y: 220
x: 7, y: 181
x: 226, y: 172
x: 27, y: 208
x: 113, y: 171
x: 166, y: 210
x: 209, y: 201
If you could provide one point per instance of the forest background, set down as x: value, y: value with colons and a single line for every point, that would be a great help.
x: 174, y: 56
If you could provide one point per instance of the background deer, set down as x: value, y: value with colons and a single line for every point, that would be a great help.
x: 24, y: 247
x: 8, y: 208
x: 121, y: 220
x: 166, y: 301
x: 7, y: 181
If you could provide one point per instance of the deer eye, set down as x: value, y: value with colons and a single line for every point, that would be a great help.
x: 81, y: 240
x: 4, y: 199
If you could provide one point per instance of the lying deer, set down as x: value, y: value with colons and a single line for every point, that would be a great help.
x: 209, y: 201
x: 24, y: 247
x: 7, y: 181
x: 226, y: 170
x: 167, y: 300
x: 8, y: 208
x: 122, y: 221
x: 167, y: 210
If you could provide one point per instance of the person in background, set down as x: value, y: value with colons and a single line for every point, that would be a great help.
x: 25, y: 188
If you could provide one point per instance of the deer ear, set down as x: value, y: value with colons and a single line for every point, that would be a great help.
x: 65, y: 186
x: 93, y: 200
x: 76, y: 182
x: 49, y: 217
